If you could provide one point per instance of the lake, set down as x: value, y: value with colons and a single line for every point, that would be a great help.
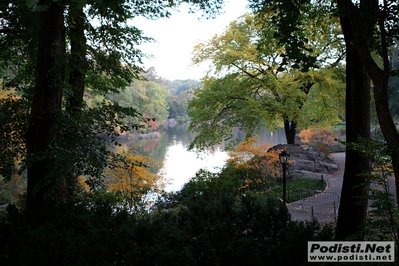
x: 179, y: 164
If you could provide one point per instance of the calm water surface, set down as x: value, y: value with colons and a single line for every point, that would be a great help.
x: 179, y: 164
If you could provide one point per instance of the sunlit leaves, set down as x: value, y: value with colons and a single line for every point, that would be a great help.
x: 321, y: 139
x: 148, y: 97
x: 220, y: 106
x: 249, y: 154
x: 235, y: 48
x: 133, y: 177
x: 246, y: 87
x: 13, y: 120
x: 304, y: 28
x: 313, y: 136
x: 321, y: 94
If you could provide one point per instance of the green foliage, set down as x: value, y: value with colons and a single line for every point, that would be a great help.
x: 18, y: 46
x: 178, y: 87
x: 298, y: 27
x: 383, y: 218
x: 101, y: 57
x: 225, y: 226
x: 209, y: 222
x: 232, y: 226
x: 79, y: 146
x: 221, y: 105
x: 146, y: 96
x: 72, y: 235
x: 249, y: 91
x: 5, y: 197
x: 180, y: 95
x: 12, y: 190
x: 156, y: 98
x: 382, y: 222
x: 91, y: 152
x: 177, y: 96
x: 328, y: 91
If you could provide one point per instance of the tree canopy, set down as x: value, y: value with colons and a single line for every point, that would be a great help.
x: 52, y: 52
x: 249, y: 85
x: 370, y: 28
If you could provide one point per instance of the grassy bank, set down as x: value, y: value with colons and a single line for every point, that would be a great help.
x: 299, y: 188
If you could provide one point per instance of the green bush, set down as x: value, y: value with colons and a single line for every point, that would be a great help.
x: 209, y: 222
x: 5, y: 197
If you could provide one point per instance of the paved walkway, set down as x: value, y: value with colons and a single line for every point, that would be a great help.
x: 308, y: 209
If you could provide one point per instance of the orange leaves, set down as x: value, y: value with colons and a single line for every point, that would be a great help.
x: 318, y: 138
x: 151, y: 122
x: 313, y: 136
x: 133, y: 176
x: 83, y: 184
x: 249, y: 154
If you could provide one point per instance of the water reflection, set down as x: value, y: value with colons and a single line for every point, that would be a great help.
x: 179, y: 164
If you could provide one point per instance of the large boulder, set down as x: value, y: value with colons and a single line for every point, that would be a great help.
x: 305, y: 160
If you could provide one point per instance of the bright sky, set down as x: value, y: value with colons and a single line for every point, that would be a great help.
x: 176, y: 36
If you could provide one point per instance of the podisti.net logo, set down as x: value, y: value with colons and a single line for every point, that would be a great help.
x: 351, y: 251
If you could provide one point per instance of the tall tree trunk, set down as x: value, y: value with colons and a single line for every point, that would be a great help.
x: 74, y: 97
x: 380, y: 79
x: 290, y: 125
x: 387, y: 125
x: 354, y: 200
x: 290, y: 131
x: 362, y: 29
x: 78, y: 64
x: 46, y: 105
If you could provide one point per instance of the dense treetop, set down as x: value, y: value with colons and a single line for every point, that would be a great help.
x: 250, y: 85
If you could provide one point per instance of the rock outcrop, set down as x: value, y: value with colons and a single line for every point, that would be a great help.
x: 307, y: 162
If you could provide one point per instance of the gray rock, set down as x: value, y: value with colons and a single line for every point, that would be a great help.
x: 306, y: 159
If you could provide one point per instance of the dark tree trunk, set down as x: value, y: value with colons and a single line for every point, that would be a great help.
x: 78, y: 63
x: 289, y: 124
x: 290, y: 131
x: 380, y: 79
x: 46, y: 105
x: 354, y: 200
x: 363, y: 25
x: 74, y: 97
x: 387, y: 125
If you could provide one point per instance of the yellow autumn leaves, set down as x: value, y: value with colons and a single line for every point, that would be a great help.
x: 132, y: 177
x: 253, y: 156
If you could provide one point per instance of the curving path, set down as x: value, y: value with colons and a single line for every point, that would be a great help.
x: 303, y: 211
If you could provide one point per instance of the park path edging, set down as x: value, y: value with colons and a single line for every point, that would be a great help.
x: 322, y: 214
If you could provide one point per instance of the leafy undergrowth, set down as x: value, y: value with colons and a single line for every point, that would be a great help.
x: 216, y: 219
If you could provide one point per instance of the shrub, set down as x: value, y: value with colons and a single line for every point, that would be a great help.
x: 209, y: 222
x: 5, y: 196
x: 319, y: 138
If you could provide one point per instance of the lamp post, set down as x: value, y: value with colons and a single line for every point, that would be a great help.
x: 284, y: 156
